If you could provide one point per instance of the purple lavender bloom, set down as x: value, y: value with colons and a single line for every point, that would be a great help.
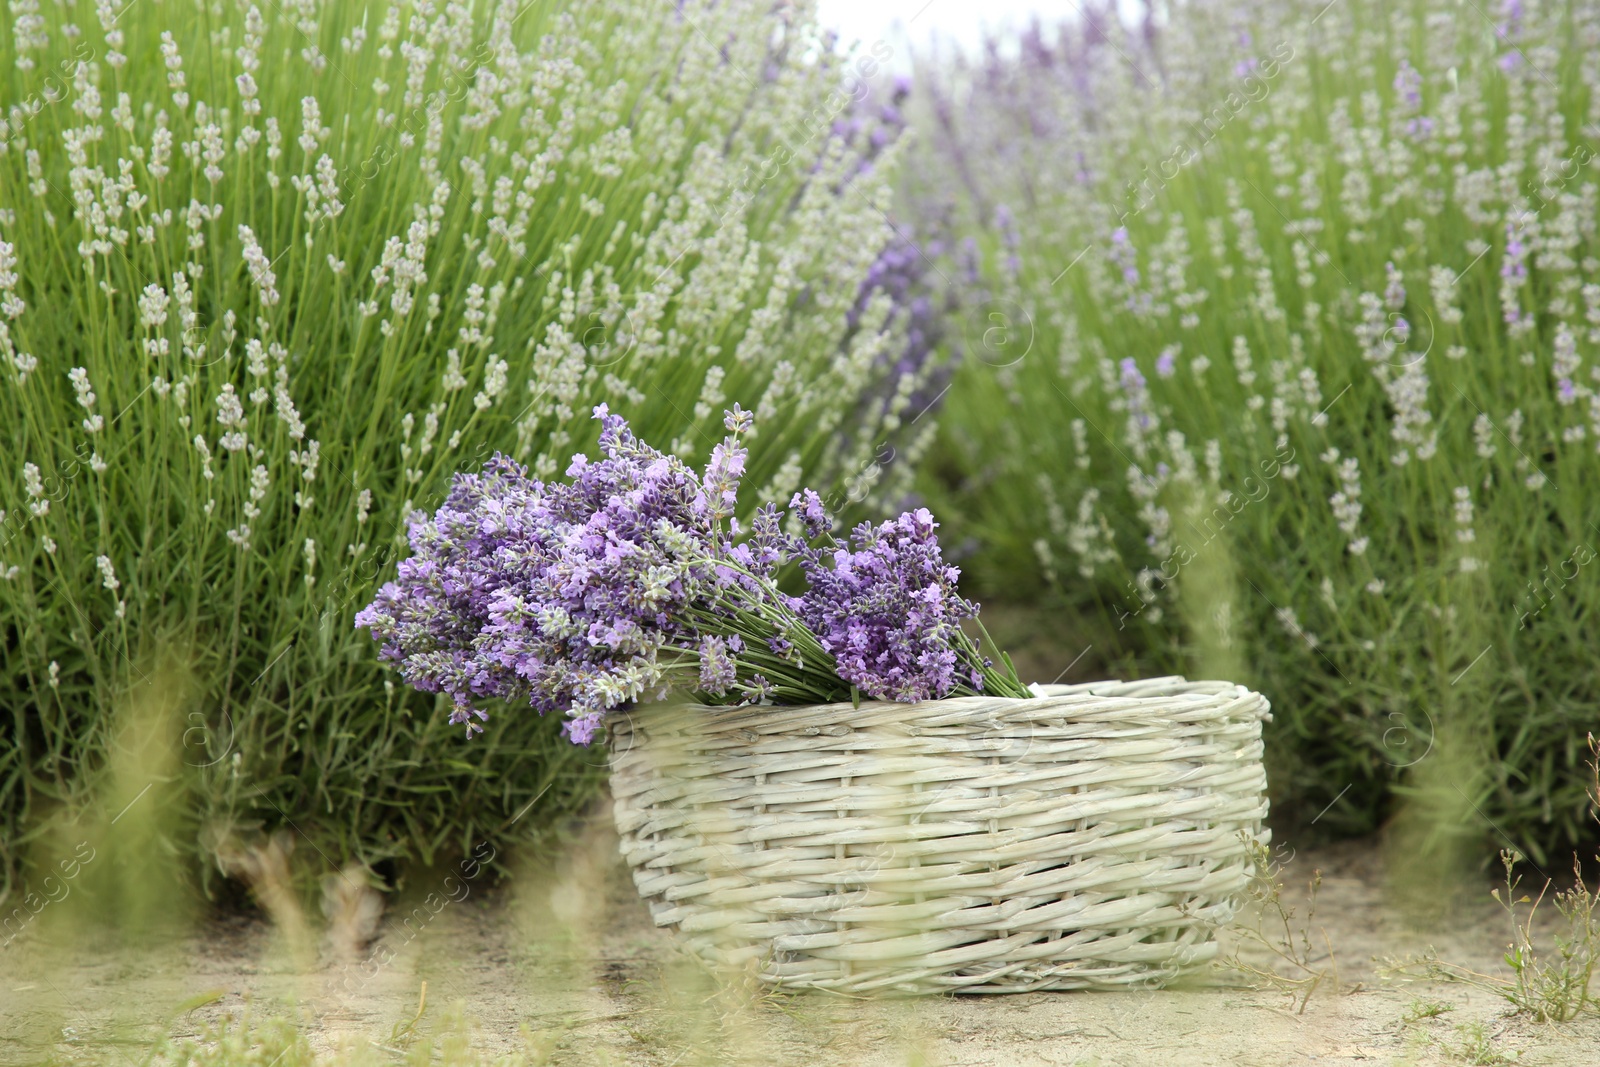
x: 1005, y: 222
x: 561, y: 595
x: 812, y: 514
x: 901, y: 272
x: 1132, y: 379
x: 611, y: 589
x: 1123, y: 254
x: 1084, y: 175
x: 718, y: 671
x: 970, y: 262
x: 1514, y: 267
x: 1394, y: 293
x: 723, y: 474
x: 765, y: 549
x: 581, y: 730
x: 1408, y: 83
x: 1166, y: 363
x: 886, y: 608
x: 1133, y: 384
x: 1511, y: 27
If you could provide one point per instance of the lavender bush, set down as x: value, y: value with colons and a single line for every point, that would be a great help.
x: 270, y: 273
x: 1303, y: 306
x: 631, y: 580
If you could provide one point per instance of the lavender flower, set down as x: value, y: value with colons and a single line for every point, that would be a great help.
x: 718, y: 672
x: 588, y: 596
x: 562, y: 595
x: 1408, y: 85
x: 812, y: 514
x: 887, y: 610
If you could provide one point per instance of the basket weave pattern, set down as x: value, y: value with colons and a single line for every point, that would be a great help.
x: 1092, y: 837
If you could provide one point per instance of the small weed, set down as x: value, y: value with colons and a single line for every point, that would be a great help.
x: 1549, y: 987
x: 404, y: 1033
x: 1552, y: 988
x: 239, y: 1040
x: 1295, y: 967
x: 1424, y: 1009
x: 1475, y: 1045
x: 244, y: 1041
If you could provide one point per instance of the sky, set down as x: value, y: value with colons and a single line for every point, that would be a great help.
x: 960, y: 21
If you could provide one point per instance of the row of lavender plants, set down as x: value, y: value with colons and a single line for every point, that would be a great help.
x: 270, y: 274
x: 1280, y: 363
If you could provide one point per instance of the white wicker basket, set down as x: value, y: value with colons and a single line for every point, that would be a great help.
x: 1094, y: 837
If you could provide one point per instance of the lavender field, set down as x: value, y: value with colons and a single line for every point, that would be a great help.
x: 396, y: 395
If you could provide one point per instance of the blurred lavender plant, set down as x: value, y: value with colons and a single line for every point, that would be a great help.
x: 915, y: 376
x: 269, y: 274
x: 1316, y: 293
x: 922, y: 305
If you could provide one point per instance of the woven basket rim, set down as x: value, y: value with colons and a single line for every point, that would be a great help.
x: 1155, y: 695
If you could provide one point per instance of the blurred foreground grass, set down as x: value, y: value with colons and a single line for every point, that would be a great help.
x: 545, y: 957
x: 557, y: 963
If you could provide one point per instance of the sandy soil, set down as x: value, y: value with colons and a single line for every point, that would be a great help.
x: 562, y: 959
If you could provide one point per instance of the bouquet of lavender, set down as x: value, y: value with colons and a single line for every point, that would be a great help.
x: 634, y: 579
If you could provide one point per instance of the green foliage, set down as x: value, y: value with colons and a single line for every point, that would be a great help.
x: 1545, y: 985
x: 243, y: 1041
x: 1556, y: 987
x: 1474, y: 1045
x: 1299, y: 309
x: 1420, y: 1009
x: 1548, y: 986
x: 269, y: 275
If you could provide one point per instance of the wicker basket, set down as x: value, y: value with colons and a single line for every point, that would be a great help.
x: 1094, y: 837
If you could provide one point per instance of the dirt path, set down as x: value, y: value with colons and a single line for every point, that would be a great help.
x: 563, y: 961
